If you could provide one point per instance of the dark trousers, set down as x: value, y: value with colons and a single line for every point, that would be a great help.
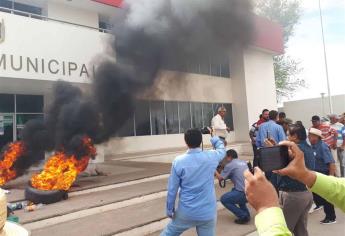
x: 328, y: 208
x: 255, y: 153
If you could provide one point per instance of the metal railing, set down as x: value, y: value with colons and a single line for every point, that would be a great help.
x: 46, y: 18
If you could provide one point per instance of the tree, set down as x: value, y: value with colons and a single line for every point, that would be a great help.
x: 286, y: 69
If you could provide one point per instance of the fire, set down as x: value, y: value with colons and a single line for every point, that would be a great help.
x: 61, y: 170
x: 13, y: 152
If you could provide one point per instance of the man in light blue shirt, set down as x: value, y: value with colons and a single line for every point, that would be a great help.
x: 270, y: 130
x: 275, y: 133
x: 193, y: 174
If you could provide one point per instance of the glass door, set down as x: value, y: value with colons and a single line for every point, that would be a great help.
x: 7, y: 131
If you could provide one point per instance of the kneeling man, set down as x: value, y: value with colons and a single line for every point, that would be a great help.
x: 235, y: 200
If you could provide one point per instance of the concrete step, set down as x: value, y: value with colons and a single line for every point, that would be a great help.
x: 109, y: 219
x: 92, y: 198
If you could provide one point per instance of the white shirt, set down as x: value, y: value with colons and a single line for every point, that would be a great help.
x: 219, y: 126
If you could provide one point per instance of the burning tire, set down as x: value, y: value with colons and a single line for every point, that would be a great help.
x: 44, y: 196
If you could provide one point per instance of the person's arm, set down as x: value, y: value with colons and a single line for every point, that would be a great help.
x: 173, y: 186
x: 219, y: 151
x: 281, y: 134
x: 263, y: 197
x: 328, y: 158
x: 258, y: 138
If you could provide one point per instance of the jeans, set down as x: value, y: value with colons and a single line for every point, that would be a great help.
x: 180, y: 224
x: 231, y: 199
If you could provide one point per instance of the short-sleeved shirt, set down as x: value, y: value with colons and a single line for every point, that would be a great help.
x: 234, y: 170
x: 338, y: 127
x: 323, y: 156
x: 328, y: 133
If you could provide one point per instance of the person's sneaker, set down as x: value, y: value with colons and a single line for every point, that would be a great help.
x: 316, y: 208
x: 327, y: 222
x: 242, y: 221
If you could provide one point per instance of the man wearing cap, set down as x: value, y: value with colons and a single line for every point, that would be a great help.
x: 218, y: 124
x: 338, y: 151
x: 325, y: 164
x: 329, y: 134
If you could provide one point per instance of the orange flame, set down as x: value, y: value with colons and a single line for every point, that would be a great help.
x: 13, y: 152
x: 61, y: 170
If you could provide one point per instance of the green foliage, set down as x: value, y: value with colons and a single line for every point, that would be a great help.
x: 287, y: 13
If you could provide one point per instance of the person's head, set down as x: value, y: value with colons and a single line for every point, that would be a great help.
x: 334, y: 118
x: 222, y: 111
x: 273, y: 115
x: 286, y: 122
x: 314, y: 136
x: 231, y: 154
x: 193, y: 138
x: 299, y: 123
x: 316, y: 121
x: 265, y: 114
x: 260, y: 116
x: 342, y: 119
x: 297, y: 133
x: 282, y: 116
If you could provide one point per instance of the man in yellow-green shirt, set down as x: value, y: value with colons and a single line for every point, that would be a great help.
x: 263, y: 197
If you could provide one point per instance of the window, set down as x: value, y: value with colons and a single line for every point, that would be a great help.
x: 142, y: 118
x: 197, y: 120
x: 172, y: 119
x: 207, y: 113
x: 29, y: 103
x: 21, y: 7
x: 127, y: 129
x: 7, y: 103
x: 185, y: 117
x: 157, y: 118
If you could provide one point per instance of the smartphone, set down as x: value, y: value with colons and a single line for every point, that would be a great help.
x: 273, y: 158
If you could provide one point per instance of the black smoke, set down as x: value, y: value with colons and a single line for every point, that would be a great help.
x: 150, y: 36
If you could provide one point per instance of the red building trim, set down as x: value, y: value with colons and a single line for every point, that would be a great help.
x: 113, y: 3
x: 268, y: 35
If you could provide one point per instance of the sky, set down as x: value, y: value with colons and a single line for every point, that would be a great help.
x: 307, y: 48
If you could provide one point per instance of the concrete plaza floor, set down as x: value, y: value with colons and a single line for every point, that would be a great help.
x: 130, y: 200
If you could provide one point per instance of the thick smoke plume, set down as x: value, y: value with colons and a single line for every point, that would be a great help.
x: 150, y: 36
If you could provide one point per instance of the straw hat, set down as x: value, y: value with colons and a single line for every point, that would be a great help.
x: 316, y: 132
x: 8, y: 228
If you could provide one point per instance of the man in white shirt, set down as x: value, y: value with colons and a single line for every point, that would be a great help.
x: 218, y: 125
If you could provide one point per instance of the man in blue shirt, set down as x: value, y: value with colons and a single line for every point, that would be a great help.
x: 234, y: 170
x: 193, y: 173
x: 325, y: 164
x: 273, y: 132
x: 270, y: 130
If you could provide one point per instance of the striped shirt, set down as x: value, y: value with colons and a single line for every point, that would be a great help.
x: 329, y: 134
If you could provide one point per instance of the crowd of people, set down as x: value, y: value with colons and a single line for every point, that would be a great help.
x: 285, y: 196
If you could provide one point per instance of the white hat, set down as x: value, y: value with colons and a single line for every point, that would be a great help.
x: 316, y: 132
x: 8, y: 228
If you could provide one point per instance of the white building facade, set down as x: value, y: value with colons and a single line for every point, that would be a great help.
x: 45, y: 41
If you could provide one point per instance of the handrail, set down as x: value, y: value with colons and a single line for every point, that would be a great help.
x: 31, y: 15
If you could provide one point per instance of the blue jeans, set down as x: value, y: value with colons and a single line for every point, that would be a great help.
x: 179, y: 224
x: 231, y: 199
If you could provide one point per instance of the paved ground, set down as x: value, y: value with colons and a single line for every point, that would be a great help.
x: 108, y: 205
